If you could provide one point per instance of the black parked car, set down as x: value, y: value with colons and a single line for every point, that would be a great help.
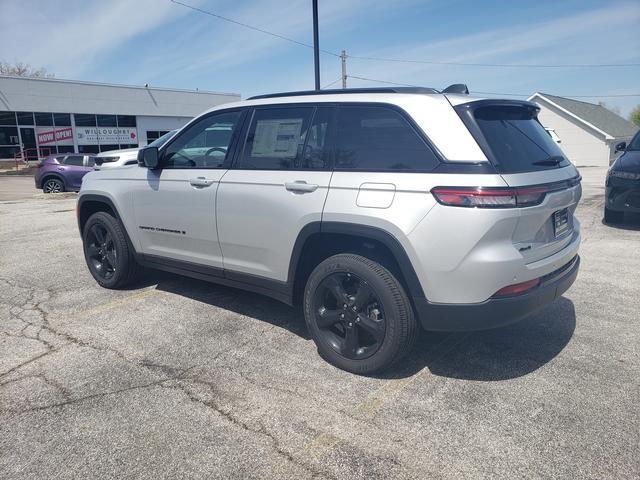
x: 623, y: 182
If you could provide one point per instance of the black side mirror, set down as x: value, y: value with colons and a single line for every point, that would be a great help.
x: 621, y: 147
x: 148, y: 157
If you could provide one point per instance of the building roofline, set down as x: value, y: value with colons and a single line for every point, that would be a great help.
x: 607, y: 136
x: 117, y: 85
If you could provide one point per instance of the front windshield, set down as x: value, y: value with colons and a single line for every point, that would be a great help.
x: 634, y: 144
x: 158, y: 142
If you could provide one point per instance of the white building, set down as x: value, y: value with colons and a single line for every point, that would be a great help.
x: 43, y: 115
x: 588, y: 132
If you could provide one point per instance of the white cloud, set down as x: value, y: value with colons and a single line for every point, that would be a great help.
x: 67, y: 37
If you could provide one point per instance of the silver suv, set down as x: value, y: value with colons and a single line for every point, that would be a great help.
x: 377, y: 210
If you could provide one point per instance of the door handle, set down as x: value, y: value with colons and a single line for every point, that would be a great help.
x: 300, y: 186
x: 200, y: 182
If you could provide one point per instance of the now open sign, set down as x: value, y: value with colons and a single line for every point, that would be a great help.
x: 55, y: 135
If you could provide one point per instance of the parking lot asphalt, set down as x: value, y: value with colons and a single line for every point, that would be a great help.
x: 181, y: 378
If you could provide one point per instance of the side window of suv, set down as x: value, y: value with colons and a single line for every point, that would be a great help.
x: 379, y: 139
x: 205, y: 144
x: 290, y: 138
x: 75, y: 160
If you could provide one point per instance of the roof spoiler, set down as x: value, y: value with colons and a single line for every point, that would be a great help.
x: 457, y: 88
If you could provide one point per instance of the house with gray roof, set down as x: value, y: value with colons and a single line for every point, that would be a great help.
x: 588, y: 132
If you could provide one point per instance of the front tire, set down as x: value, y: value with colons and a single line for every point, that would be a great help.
x: 611, y: 216
x: 358, y: 314
x: 107, y: 253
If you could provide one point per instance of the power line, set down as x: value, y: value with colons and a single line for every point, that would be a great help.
x: 251, y: 27
x: 382, y: 81
x: 402, y: 60
x: 568, y: 96
x: 332, y: 83
x: 507, y: 65
x: 499, y: 93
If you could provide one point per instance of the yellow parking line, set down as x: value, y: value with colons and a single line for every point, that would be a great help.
x: 370, y: 407
x: 117, y: 303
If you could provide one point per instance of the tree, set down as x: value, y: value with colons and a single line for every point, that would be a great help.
x: 19, y: 69
x: 634, y: 116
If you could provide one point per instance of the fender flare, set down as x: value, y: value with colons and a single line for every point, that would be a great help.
x: 365, y: 231
x: 48, y: 175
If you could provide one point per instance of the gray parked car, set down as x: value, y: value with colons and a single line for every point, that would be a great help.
x: 378, y: 210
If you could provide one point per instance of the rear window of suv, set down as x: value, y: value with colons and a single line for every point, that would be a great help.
x: 517, y: 140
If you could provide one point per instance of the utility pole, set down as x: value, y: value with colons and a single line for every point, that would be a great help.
x: 343, y: 58
x: 316, y: 47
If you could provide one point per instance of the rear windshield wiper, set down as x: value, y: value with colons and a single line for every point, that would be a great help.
x: 553, y: 160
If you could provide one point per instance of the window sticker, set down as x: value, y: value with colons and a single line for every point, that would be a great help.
x: 277, y: 138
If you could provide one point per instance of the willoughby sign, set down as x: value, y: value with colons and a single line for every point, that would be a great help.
x: 105, y: 135
x: 51, y: 136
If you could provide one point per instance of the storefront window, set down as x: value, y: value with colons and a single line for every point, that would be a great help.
x: 155, y: 134
x: 88, y: 149
x: 8, y: 152
x: 126, y: 120
x: 85, y: 120
x: 25, y: 118
x: 61, y: 119
x: 44, y: 119
x: 7, y: 118
x: 9, y: 136
x: 107, y: 121
x: 106, y: 148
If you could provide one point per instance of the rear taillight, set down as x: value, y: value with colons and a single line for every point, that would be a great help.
x: 498, y: 197
x: 517, y: 288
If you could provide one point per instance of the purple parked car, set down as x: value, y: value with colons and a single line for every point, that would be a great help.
x: 63, y: 172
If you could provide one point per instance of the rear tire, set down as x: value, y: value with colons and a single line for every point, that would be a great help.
x: 611, y: 216
x: 106, y: 250
x: 358, y: 314
x: 53, y: 185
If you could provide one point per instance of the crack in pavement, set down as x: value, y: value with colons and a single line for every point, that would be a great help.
x: 30, y: 304
x: 261, y: 429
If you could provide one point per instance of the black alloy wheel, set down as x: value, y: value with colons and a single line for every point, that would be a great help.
x: 107, y: 251
x: 101, y: 251
x: 358, y: 314
x: 349, y: 315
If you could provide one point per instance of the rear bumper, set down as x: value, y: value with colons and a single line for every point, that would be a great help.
x: 496, y: 312
x: 623, y: 195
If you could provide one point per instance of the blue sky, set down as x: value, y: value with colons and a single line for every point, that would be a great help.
x: 164, y: 44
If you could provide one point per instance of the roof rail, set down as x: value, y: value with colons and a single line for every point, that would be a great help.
x: 334, y: 91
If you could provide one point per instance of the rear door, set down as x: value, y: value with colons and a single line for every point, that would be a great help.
x: 525, y: 155
x: 278, y: 185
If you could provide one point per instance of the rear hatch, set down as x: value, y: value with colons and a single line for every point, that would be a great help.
x: 532, y: 163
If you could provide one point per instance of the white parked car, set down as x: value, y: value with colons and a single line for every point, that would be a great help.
x: 377, y: 210
x: 128, y: 156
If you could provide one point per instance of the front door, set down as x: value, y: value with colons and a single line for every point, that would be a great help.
x: 175, y: 205
x: 277, y: 186
x: 28, y: 136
